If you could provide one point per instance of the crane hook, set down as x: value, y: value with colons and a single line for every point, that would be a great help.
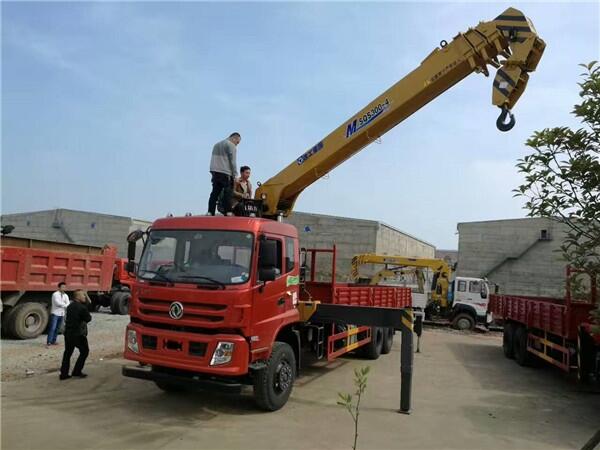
x: 501, y: 123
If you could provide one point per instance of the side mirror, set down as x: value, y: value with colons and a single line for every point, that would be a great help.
x: 131, y: 251
x: 267, y: 254
x: 135, y: 235
x: 302, y: 274
x: 483, y: 291
x: 268, y: 273
x: 130, y: 267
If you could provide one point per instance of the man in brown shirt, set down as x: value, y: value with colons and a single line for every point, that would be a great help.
x: 242, y: 188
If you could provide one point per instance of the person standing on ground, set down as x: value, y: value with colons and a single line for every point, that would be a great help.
x: 223, y: 171
x: 242, y: 189
x: 60, y: 301
x: 78, y: 316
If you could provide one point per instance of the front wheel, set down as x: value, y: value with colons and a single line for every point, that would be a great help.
x: 463, y: 322
x: 273, y: 384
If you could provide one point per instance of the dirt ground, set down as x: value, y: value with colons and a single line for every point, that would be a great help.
x: 29, y: 358
x: 466, y: 395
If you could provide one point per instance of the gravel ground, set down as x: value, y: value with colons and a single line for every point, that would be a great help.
x: 28, y: 358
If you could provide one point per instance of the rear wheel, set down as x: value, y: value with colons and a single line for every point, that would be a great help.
x: 27, y: 320
x: 273, y: 384
x: 463, y: 321
x: 522, y: 356
x: 388, y: 340
x: 372, y: 350
x: 119, y: 303
x: 508, y: 338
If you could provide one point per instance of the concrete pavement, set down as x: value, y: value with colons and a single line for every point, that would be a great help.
x: 466, y: 395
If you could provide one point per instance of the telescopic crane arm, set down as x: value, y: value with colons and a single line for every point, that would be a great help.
x: 508, y: 43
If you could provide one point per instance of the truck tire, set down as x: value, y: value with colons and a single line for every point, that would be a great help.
x: 508, y: 337
x: 7, y: 321
x: 273, y: 384
x: 522, y: 356
x: 27, y: 320
x: 463, y: 322
x: 169, y: 387
x: 372, y: 350
x: 388, y: 340
x: 119, y: 303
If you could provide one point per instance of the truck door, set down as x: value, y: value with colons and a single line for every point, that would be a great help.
x: 461, y: 291
x: 269, y: 301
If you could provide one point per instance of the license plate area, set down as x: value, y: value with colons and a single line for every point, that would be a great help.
x: 176, y: 346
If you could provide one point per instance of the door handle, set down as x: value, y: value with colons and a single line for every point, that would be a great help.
x: 281, y: 302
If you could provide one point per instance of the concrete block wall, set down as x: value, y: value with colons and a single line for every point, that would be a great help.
x: 79, y: 227
x: 488, y: 248
x: 351, y: 237
x: 391, y: 241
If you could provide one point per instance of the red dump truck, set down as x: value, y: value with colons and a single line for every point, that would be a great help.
x: 555, y: 330
x: 31, y: 270
x: 220, y: 302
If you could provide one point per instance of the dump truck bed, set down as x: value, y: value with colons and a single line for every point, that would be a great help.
x: 35, y: 265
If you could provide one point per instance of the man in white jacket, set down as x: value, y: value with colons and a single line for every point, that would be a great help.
x: 60, y: 301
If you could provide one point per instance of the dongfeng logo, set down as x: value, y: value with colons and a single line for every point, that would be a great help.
x: 176, y: 310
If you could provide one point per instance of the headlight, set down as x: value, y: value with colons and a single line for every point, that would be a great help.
x: 132, y: 341
x: 222, y: 353
x: 263, y: 196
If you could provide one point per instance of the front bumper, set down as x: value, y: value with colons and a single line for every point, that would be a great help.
x: 186, y: 351
x: 192, y: 382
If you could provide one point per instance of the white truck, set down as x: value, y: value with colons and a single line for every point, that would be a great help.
x: 463, y: 301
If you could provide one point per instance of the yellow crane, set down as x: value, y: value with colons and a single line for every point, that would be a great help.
x: 461, y: 300
x: 509, y: 43
x: 442, y: 272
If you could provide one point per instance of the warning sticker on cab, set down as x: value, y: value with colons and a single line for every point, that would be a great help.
x: 292, y: 280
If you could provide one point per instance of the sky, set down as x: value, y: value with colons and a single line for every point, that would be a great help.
x: 115, y: 107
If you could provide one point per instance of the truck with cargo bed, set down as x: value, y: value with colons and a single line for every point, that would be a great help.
x: 31, y: 270
x: 221, y: 301
x: 556, y: 330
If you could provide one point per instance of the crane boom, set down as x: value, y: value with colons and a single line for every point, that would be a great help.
x: 508, y: 43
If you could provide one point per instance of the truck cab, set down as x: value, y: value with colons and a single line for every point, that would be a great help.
x: 469, y: 299
x: 208, y: 294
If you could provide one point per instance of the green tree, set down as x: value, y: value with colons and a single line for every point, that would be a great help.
x: 347, y: 400
x: 562, y: 178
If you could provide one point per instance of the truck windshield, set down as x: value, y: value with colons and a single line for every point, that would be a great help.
x: 201, y: 257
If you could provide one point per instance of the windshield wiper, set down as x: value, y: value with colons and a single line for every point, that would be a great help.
x: 162, y: 276
x: 200, y: 277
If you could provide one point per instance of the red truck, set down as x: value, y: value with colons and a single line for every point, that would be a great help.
x: 552, y: 329
x: 221, y: 302
x: 31, y: 270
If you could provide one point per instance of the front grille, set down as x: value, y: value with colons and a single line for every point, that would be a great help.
x: 194, y: 312
x: 197, y: 348
x: 149, y: 342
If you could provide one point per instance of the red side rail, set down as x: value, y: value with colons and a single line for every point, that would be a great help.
x: 347, y: 341
x: 543, y: 314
